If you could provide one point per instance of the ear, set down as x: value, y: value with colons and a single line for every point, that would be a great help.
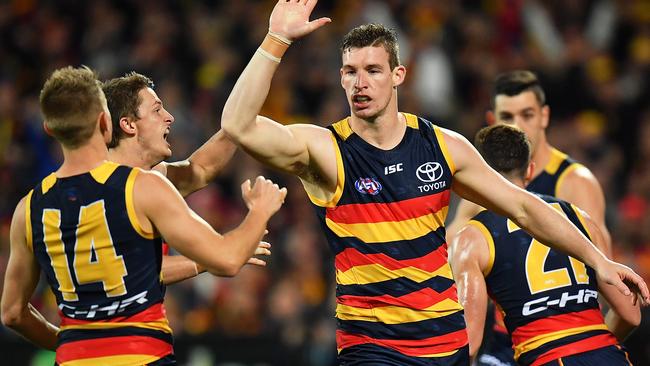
x: 128, y: 125
x: 490, y: 118
x: 546, y: 113
x: 529, y: 172
x: 399, y: 74
x: 105, y: 125
x: 47, y: 129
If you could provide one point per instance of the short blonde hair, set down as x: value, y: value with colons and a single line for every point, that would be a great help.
x: 71, y: 100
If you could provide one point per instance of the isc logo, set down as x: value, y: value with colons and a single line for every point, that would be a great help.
x: 393, y: 168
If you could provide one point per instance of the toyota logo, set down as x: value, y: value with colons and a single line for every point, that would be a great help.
x: 429, y: 172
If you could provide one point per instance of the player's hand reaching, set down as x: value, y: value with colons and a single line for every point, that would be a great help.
x: 625, y: 279
x: 264, y: 196
x: 263, y: 248
x: 290, y: 19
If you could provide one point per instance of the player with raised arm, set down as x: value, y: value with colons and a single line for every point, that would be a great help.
x: 549, y: 299
x: 380, y: 182
x: 94, y: 227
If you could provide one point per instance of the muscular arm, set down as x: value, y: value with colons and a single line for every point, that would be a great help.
x: 476, y: 181
x: 302, y: 150
x: 469, y: 257
x: 202, y: 166
x: 464, y: 212
x: 624, y: 315
x: 158, y: 205
x: 581, y: 188
x: 20, y: 281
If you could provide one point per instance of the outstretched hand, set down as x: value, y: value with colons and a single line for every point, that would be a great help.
x: 263, y: 195
x: 626, y: 281
x: 290, y: 18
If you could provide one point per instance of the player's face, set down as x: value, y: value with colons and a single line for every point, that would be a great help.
x: 368, y: 80
x: 523, y: 111
x: 153, y: 127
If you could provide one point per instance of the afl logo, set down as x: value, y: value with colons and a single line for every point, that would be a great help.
x: 429, y: 172
x: 368, y: 186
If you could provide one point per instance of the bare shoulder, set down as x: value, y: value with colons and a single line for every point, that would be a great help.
x: 469, y: 246
x: 18, y: 218
x: 582, y: 174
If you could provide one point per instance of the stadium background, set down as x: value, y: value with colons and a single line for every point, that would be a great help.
x: 592, y: 56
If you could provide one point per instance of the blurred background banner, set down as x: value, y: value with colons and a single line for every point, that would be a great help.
x: 593, y: 58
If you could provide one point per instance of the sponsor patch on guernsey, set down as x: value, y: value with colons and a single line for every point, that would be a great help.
x: 368, y: 186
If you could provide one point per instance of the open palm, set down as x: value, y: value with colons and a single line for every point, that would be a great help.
x: 290, y: 19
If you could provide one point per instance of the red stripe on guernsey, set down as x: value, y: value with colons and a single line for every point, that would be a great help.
x: 393, y: 211
x: 585, y: 345
x: 351, y: 257
x: 556, y: 323
x: 416, y: 348
x: 151, y: 314
x: 112, y: 346
x: 420, y: 300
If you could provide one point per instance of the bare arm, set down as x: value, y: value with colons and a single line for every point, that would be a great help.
x: 288, y: 148
x: 476, y: 181
x: 581, y: 188
x: 159, y: 205
x: 624, y: 315
x: 464, y: 212
x: 468, y: 257
x: 176, y: 268
x: 21, y: 279
x: 202, y: 166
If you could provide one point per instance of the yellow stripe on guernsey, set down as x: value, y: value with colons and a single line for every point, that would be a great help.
x: 28, y: 221
x: 340, y: 180
x: 380, y: 232
x: 581, y: 218
x: 542, y: 339
x: 48, y: 182
x: 397, y: 314
x: 445, y: 150
x: 130, y: 207
x: 560, y: 179
x: 104, y: 171
x: 373, y: 273
x: 119, y: 360
x: 556, y: 159
x: 490, y: 243
x: 161, y: 324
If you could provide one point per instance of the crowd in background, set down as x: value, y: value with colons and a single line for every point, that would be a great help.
x: 593, y: 58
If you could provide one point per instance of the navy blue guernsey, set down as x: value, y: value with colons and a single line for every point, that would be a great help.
x: 385, y: 226
x: 549, y: 300
x: 103, y: 268
x: 548, y: 182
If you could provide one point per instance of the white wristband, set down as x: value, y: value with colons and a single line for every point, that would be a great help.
x: 268, y: 55
x: 280, y: 38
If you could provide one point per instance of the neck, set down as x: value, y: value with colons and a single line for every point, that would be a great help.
x: 385, y: 130
x: 83, y: 159
x: 129, y: 155
x: 541, y: 157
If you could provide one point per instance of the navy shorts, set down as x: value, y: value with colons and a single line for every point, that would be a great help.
x: 497, y: 352
x: 373, y: 355
x: 610, y: 356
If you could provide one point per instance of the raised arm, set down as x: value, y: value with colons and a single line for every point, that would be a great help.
x: 158, y: 205
x: 469, y: 256
x: 202, y: 166
x: 288, y: 148
x: 477, y: 182
x: 623, y: 315
x: 20, y: 281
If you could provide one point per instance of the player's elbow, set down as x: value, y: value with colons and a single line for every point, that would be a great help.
x: 633, y: 318
x: 12, y: 317
x: 225, y: 268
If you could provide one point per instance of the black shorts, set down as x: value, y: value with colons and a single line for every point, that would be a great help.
x: 373, y: 355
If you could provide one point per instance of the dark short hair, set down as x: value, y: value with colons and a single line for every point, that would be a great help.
x: 71, y: 100
x: 516, y: 82
x: 373, y: 35
x: 505, y: 148
x: 123, y: 100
